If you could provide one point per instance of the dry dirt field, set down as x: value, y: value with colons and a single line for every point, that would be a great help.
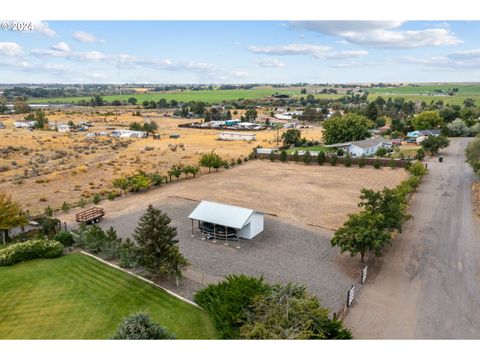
x: 309, y: 195
x: 41, y: 168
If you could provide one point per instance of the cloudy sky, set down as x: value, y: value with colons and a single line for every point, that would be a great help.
x: 241, y: 52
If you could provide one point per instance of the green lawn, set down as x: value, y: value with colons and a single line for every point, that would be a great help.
x: 77, y: 297
x: 209, y: 96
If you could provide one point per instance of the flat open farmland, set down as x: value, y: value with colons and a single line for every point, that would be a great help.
x: 209, y: 96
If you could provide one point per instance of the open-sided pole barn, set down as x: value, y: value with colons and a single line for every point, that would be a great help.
x: 222, y: 221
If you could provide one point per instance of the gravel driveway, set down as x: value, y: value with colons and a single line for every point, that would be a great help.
x: 284, y: 252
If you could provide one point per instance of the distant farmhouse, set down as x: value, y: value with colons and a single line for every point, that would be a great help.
x: 24, y: 123
x: 363, y: 147
x: 128, y: 134
x: 417, y: 133
x: 236, y: 136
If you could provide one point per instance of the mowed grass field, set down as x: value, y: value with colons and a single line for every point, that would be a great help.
x: 208, y: 96
x: 77, y: 297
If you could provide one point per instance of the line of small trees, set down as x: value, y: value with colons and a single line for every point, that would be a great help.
x: 333, y: 159
x: 382, y: 213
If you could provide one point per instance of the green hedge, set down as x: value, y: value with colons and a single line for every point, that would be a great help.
x: 28, y: 250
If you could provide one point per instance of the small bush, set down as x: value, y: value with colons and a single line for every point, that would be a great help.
x: 48, y: 211
x: 239, y: 161
x: 283, y: 156
x: 362, y: 162
x: 28, y: 250
x: 227, y: 302
x: 64, y: 237
x: 271, y: 156
x: 321, y: 158
x: 65, y: 206
x: 296, y: 157
x: 376, y: 164
x: 140, y: 326
x: 340, y: 152
x: 96, y: 199
x: 347, y: 160
x: 333, y: 160
x: 417, y: 169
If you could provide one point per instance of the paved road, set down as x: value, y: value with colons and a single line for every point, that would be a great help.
x: 428, y: 286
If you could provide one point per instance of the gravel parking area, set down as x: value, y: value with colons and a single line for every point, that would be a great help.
x: 284, y: 252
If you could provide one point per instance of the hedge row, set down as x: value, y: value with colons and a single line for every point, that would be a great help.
x: 340, y: 160
x: 28, y: 250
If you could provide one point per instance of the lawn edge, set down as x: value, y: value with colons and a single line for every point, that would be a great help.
x: 142, y: 279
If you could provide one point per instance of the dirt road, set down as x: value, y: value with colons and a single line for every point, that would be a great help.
x: 429, y: 283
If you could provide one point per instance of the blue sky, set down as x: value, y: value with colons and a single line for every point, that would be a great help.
x: 241, y: 52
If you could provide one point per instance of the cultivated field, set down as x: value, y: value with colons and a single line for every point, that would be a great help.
x: 422, y: 92
x: 208, y: 96
x: 41, y: 168
x: 76, y: 297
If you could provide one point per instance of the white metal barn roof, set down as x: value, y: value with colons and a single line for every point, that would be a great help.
x: 221, y: 214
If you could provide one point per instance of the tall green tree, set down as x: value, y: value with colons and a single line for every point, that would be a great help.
x: 157, y: 247
x: 211, y: 160
x: 387, y: 202
x: 350, y: 127
x: 427, y: 120
x: 472, y: 155
x: 362, y: 233
x: 288, y: 312
x: 122, y: 183
x: 11, y: 215
x: 433, y: 144
x: 291, y: 137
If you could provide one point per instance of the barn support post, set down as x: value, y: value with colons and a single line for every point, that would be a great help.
x: 192, y: 230
x: 226, y: 236
x: 3, y: 236
x: 214, y: 233
x: 238, y: 239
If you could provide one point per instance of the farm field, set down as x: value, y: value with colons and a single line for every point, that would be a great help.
x: 41, y: 168
x: 77, y: 297
x: 208, y: 96
x: 422, y: 92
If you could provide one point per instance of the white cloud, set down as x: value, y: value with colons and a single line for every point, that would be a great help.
x: 466, y: 54
x: 10, y: 49
x: 461, y: 60
x: 317, y: 51
x: 382, y: 34
x: 269, y: 62
x: 85, y: 37
x: 61, y: 46
x: 43, y: 28
x: 78, y: 56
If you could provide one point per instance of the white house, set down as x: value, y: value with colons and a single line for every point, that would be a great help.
x: 24, y: 123
x: 223, y: 220
x: 265, y: 151
x: 367, y: 147
x: 128, y: 134
x: 63, y: 128
x: 236, y: 136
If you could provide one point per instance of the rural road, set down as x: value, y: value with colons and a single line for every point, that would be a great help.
x: 428, y: 283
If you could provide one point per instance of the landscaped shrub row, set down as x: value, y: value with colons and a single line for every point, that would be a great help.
x: 333, y: 159
x: 28, y: 250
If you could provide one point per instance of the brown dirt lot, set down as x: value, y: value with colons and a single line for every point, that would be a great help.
x: 310, y: 195
x: 48, y: 168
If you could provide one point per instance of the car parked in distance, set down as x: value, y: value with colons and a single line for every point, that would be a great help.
x: 397, y: 142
